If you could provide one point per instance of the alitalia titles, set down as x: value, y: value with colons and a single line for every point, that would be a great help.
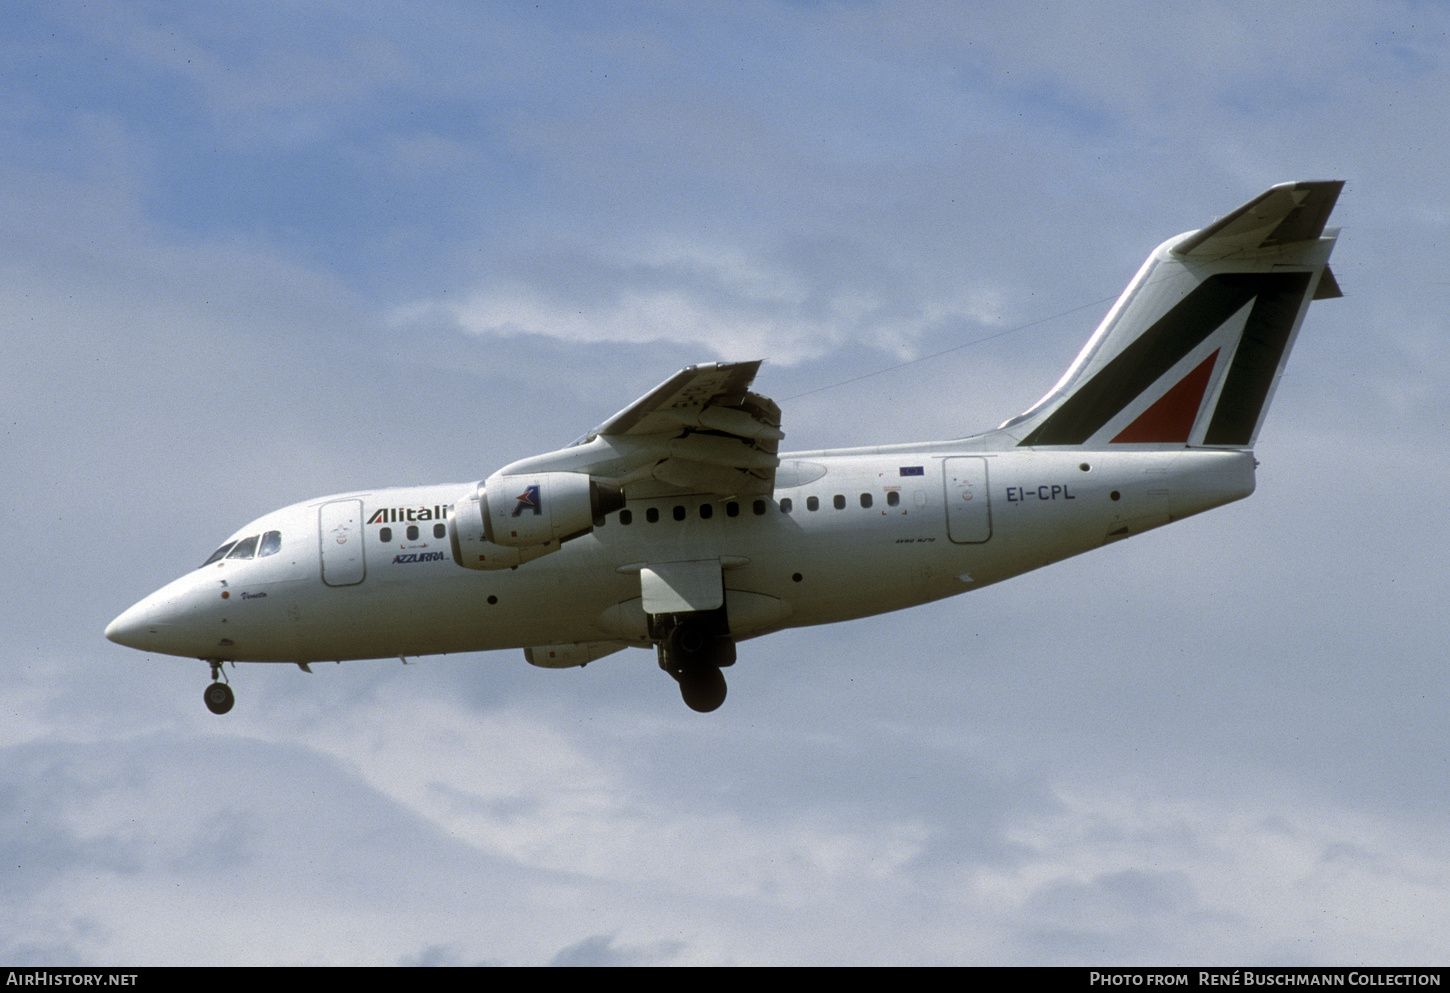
x: 410, y: 515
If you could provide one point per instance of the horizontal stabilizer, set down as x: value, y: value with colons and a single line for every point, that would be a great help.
x: 1282, y: 215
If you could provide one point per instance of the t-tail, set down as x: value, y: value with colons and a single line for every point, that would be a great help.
x: 1192, y: 352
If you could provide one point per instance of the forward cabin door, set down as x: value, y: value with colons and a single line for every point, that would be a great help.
x: 339, y: 528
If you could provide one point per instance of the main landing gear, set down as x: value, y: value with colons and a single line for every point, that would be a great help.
x: 218, y: 696
x: 692, y: 649
x: 702, y: 688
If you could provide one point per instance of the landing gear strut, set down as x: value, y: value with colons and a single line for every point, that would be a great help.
x: 692, y: 649
x: 218, y: 696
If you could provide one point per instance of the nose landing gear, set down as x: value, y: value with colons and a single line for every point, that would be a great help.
x: 218, y: 696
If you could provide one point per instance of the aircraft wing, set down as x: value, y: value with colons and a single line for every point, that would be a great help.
x: 700, y: 431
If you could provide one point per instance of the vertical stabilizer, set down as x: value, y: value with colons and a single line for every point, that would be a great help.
x: 1192, y: 352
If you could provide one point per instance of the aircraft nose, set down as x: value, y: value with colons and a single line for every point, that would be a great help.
x: 163, y: 622
x: 134, y: 627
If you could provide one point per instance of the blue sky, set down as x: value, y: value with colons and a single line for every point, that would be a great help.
x: 257, y: 253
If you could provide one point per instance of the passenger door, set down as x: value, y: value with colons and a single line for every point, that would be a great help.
x: 969, y: 511
x: 340, y: 532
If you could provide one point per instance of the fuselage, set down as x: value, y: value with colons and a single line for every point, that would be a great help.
x: 845, y: 534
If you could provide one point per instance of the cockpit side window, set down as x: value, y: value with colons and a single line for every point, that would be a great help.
x: 271, y: 544
x: 219, y: 554
x: 244, y: 549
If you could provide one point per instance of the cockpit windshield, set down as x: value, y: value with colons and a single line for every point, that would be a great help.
x: 244, y: 549
x: 257, y: 546
x: 220, y: 553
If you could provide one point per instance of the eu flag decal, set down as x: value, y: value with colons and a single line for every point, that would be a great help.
x: 913, y: 470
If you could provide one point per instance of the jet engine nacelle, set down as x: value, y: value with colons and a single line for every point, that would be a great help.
x: 471, y: 547
x: 528, y: 509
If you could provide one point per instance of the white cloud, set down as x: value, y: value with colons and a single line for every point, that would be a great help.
x: 717, y: 300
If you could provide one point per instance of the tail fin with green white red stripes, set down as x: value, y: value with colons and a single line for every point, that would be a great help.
x: 1192, y: 352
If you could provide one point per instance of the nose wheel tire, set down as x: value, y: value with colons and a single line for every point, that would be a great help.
x: 219, y: 698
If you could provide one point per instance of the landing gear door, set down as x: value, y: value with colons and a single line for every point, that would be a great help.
x: 969, y: 509
x: 339, y: 529
x: 682, y: 587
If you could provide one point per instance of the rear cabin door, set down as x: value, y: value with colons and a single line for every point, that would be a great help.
x: 969, y: 510
x: 339, y: 528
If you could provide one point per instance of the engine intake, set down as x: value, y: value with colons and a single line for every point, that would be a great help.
x: 471, y: 547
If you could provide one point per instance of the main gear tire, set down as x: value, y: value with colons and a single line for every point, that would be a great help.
x: 703, y: 688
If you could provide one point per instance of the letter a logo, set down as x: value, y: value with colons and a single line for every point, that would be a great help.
x: 528, y: 500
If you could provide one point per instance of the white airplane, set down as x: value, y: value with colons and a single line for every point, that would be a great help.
x: 677, y: 525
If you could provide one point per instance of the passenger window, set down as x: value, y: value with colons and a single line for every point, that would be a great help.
x: 440, y: 530
x: 893, y: 498
x: 385, y: 535
x: 271, y: 544
x: 759, y: 508
x: 412, y: 532
x: 732, y: 509
x: 812, y: 503
x: 244, y: 549
x: 839, y: 502
x: 866, y: 500
x: 786, y: 505
x: 626, y: 517
x: 652, y: 515
x: 707, y: 510
x: 220, y: 553
x: 679, y: 512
